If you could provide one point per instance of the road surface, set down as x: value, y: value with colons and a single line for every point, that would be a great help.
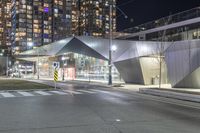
x: 80, y: 108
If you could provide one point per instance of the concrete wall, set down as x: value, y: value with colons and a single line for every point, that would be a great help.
x: 151, y: 70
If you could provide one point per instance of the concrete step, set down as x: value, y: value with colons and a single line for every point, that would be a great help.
x: 181, y: 95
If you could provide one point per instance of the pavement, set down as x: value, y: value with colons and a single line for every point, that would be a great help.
x: 98, y: 109
x: 186, y: 94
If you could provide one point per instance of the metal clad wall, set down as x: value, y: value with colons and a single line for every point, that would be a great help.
x: 130, y: 71
x: 182, y: 59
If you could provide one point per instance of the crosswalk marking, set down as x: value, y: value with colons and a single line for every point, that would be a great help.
x: 25, y: 93
x: 6, y: 94
x: 46, y: 93
x: 86, y: 91
x: 73, y: 92
x: 43, y: 93
x: 59, y: 92
x: 102, y: 91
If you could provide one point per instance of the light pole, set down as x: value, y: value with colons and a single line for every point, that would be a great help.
x: 112, y: 48
x: 110, y: 52
x: 38, y: 69
x: 38, y: 60
x: 31, y: 44
x: 64, y: 64
x: 7, y: 60
x: 7, y: 65
x: 63, y: 74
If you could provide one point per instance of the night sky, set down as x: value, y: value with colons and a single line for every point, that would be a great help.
x: 141, y: 11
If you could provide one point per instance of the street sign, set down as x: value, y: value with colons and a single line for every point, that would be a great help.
x: 55, y: 75
x: 56, y: 65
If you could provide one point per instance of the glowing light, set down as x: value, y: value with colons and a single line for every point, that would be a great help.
x: 30, y: 44
x: 114, y: 48
x: 46, y: 9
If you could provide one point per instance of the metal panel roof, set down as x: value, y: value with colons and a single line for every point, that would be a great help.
x: 125, y: 49
x: 47, y: 50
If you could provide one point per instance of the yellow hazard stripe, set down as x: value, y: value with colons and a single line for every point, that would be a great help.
x: 55, y: 75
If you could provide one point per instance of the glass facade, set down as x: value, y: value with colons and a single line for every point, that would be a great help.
x: 93, y: 68
x: 76, y: 66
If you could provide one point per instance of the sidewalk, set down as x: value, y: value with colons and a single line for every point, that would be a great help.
x: 187, y: 94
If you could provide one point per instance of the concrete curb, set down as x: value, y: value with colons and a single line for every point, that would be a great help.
x: 88, y: 83
x: 171, y: 94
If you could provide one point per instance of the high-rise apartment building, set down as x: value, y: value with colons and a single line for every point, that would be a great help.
x: 39, y: 22
x: 5, y: 27
x: 94, y: 17
x: 75, y: 17
x: 25, y: 24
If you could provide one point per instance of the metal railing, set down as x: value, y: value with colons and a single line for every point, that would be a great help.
x: 182, y: 16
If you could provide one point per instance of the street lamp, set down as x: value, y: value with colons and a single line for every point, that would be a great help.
x: 7, y: 60
x: 123, y: 13
x: 64, y: 64
x: 112, y: 47
x: 31, y: 44
x: 110, y: 50
x: 63, y: 74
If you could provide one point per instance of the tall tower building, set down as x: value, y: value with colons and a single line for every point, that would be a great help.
x: 39, y: 22
x: 25, y: 24
x: 5, y: 27
x: 75, y: 17
x: 94, y: 17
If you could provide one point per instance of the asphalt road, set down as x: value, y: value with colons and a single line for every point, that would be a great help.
x: 104, y: 111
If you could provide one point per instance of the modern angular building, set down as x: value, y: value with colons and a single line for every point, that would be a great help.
x: 137, y: 62
x: 86, y: 58
x: 182, y: 33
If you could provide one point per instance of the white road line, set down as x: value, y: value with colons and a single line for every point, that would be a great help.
x: 43, y: 93
x: 25, y: 93
x: 86, y: 91
x: 6, y: 94
x: 59, y: 92
x: 107, y: 92
x: 73, y: 92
